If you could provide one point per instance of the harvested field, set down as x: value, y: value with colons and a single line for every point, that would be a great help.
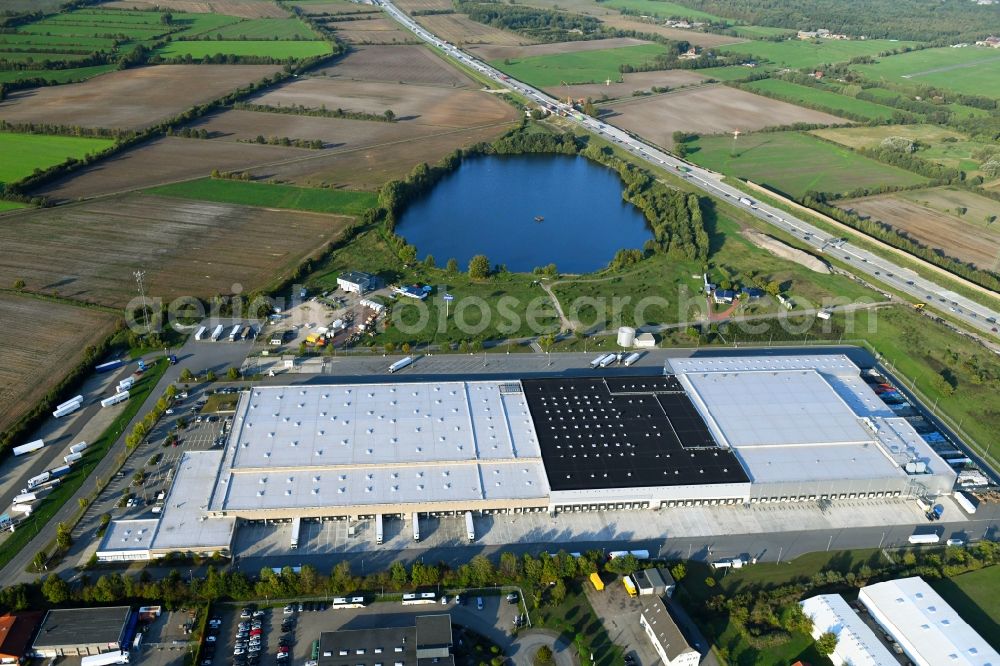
x: 49, y: 339
x: 335, y: 7
x: 970, y: 240
x: 424, y: 105
x: 131, y: 98
x: 369, y: 167
x: 376, y: 30
x: 461, y: 30
x: 413, y: 64
x: 786, y: 251
x: 241, y: 8
x: 409, y: 6
x: 185, y: 247
x: 707, y: 110
x: 706, y: 40
x: 556, y: 48
x: 163, y: 161
x: 674, y: 78
x: 336, y: 133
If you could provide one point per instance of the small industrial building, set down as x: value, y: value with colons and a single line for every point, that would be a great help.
x: 656, y: 581
x: 84, y: 631
x: 857, y: 644
x: 357, y: 282
x: 663, y: 633
x: 930, y: 632
x: 428, y: 642
x: 16, y: 632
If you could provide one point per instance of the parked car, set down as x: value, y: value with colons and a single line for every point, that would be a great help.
x: 479, y: 603
x: 288, y: 610
x: 512, y: 598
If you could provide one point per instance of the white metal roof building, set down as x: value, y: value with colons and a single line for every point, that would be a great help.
x: 857, y: 644
x: 809, y: 427
x: 929, y: 630
x: 319, y: 451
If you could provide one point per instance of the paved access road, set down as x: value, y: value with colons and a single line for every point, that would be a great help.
x: 975, y: 316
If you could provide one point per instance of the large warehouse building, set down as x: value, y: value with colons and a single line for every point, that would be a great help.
x: 712, y: 430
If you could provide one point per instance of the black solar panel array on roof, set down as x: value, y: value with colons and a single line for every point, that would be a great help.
x: 594, y: 437
x: 655, y: 383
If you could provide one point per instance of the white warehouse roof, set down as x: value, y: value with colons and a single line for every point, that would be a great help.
x: 930, y: 631
x: 185, y: 522
x: 857, y: 644
x: 366, y: 444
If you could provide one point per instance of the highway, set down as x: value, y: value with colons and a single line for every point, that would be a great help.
x: 974, y: 316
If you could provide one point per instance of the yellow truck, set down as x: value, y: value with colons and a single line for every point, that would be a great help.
x: 596, y: 581
x: 630, y: 586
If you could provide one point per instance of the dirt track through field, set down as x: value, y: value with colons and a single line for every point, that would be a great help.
x: 187, y: 248
x: 131, y: 98
x: 41, y: 341
x: 955, y: 237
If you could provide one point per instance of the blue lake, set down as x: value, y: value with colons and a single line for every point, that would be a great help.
x: 489, y: 205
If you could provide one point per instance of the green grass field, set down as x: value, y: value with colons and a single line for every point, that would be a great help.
x: 23, y: 153
x: 26, y: 56
x: 342, y: 202
x: 663, y: 9
x: 730, y: 73
x: 758, y: 31
x: 57, y: 75
x: 194, y: 25
x: 972, y: 70
x: 581, y: 67
x: 13, y: 40
x: 270, y: 49
x: 290, y: 28
x: 830, y: 101
x: 976, y: 598
x: 798, y: 54
x: 11, y: 205
x: 794, y: 163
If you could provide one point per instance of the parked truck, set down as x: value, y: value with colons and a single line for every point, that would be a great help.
x: 400, y: 364
x: 125, y: 384
x: 234, y: 332
x: 29, y: 447
x: 597, y: 361
x: 121, y: 396
x: 109, y: 366
x: 379, y: 533
x: 59, y: 471
x: 595, y: 580
x: 630, y: 586
x: 631, y: 358
x: 79, y: 446
x: 72, y: 458
x: 36, y: 481
x: 963, y: 501
x: 924, y: 538
x: 69, y: 402
x: 202, y: 330
x: 67, y: 410
x: 296, y: 528
x: 106, y: 658
x: 746, y: 201
x: 608, y: 360
x: 470, y: 528
x: 217, y: 333
x: 416, y: 526
x: 935, y: 512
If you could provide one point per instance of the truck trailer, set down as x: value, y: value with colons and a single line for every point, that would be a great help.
x: 400, y: 364
x: 36, y: 481
x: 59, y: 471
x: 608, y: 360
x: 67, y: 410
x: 72, y: 458
x: 217, y: 333
x: 109, y: 366
x: 379, y: 534
x: 296, y: 528
x: 924, y: 538
x: 234, y: 332
x: 29, y: 447
x: 106, y: 658
x: 125, y: 384
x: 470, y: 528
x: 78, y: 447
x: 631, y: 358
x: 202, y: 330
x: 963, y: 501
x: 69, y: 402
x: 416, y: 526
x: 115, y: 399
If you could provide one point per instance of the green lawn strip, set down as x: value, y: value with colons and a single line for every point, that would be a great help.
x: 56, y: 75
x: 341, y: 202
x: 40, y: 41
x: 972, y: 70
x: 798, y: 54
x: 728, y: 73
x: 662, y: 9
x: 975, y: 596
x: 11, y: 205
x: 32, y: 56
x: 579, y: 67
x: 265, y: 28
x: 831, y: 101
x: 270, y: 49
x: 795, y: 163
x: 81, y: 470
x: 199, y: 24
x: 24, y: 153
